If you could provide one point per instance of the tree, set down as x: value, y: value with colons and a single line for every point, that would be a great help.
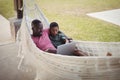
x: 18, y: 5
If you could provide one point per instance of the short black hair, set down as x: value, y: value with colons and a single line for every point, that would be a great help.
x: 54, y: 24
x: 36, y: 22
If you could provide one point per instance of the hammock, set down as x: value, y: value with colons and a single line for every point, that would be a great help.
x: 60, y: 67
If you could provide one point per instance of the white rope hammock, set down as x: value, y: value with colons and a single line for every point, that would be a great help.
x: 60, y: 67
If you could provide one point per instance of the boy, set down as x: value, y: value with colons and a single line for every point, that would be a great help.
x: 57, y: 37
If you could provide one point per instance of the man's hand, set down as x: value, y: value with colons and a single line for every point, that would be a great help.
x: 51, y: 51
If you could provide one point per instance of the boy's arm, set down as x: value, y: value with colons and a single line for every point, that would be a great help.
x: 62, y: 34
x: 64, y: 37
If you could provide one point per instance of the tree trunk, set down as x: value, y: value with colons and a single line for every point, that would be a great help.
x: 18, y: 5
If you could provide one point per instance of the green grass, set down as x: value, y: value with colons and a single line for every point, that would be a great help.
x: 72, y: 18
x: 7, y: 8
x: 73, y: 21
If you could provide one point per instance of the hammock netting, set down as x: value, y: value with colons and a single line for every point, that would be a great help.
x: 61, y: 67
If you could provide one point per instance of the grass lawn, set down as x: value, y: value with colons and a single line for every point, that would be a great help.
x: 73, y: 21
x: 7, y: 8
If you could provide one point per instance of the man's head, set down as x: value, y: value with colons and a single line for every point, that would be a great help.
x: 54, y: 28
x: 37, y: 28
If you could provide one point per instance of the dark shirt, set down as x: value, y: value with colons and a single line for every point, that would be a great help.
x: 59, y: 39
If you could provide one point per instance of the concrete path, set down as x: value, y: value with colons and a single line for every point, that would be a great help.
x: 5, y: 31
x: 8, y: 54
x: 112, y: 16
x: 9, y: 62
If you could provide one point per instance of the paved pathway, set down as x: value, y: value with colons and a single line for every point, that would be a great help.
x: 9, y: 62
x: 6, y: 35
x: 8, y: 55
x: 112, y: 16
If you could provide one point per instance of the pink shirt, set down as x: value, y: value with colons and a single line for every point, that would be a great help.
x: 43, y: 42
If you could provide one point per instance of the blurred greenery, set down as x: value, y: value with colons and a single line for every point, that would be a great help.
x: 7, y: 8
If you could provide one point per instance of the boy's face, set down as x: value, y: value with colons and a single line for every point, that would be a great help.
x: 54, y: 31
x: 37, y: 30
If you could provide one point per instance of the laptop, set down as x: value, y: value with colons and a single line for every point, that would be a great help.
x: 66, y: 49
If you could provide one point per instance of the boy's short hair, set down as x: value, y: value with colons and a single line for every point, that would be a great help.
x: 54, y: 24
x: 36, y: 22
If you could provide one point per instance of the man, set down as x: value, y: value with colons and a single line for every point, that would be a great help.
x: 41, y: 38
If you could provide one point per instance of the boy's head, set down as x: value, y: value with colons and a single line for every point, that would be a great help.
x: 54, y: 28
x: 37, y: 28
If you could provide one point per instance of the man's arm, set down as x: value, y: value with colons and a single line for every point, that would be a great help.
x: 51, y: 51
